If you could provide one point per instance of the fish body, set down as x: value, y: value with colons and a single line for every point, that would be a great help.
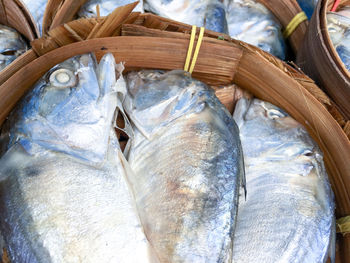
x: 37, y: 10
x: 288, y: 215
x: 106, y: 7
x: 187, y: 165
x: 12, y: 45
x: 338, y: 25
x: 251, y: 22
x: 202, y: 13
x: 63, y: 190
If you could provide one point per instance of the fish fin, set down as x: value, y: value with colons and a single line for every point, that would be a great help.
x: 121, y: 94
x: 242, y: 175
x: 332, y: 242
x: 241, y: 110
x: 16, y: 156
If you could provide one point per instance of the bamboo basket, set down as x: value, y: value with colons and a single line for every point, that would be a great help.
x: 319, y: 59
x: 14, y: 14
x: 148, y: 41
x: 59, y: 12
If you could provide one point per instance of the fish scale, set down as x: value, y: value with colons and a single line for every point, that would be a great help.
x: 64, y: 196
x: 288, y: 215
x: 187, y: 165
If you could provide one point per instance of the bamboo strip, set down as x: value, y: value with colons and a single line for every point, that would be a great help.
x: 67, y: 12
x: 51, y: 10
x: 13, y: 15
x: 16, y: 65
x: 319, y: 59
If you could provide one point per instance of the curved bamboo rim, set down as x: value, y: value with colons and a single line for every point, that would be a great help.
x: 319, y: 59
x: 268, y: 81
x: 13, y: 13
x: 323, y: 22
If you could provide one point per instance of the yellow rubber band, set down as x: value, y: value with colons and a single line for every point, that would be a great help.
x: 190, y: 48
x: 343, y: 225
x: 196, y: 52
x: 294, y: 23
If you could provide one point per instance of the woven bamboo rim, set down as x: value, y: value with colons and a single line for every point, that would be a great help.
x: 59, y: 12
x: 319, y: 59
x: 14, y: 14
x: 147, y: 41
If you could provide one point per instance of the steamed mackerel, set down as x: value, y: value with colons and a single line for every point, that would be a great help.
x: 106, y: 7
x: 338, y: 25
x: 63, y: 190
x: 251, y: 22
x: 187, y: 162
x: 288, y: 215
x: 202, y: 13
x: 12, y: 46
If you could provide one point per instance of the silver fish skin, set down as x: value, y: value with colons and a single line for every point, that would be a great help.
x: 106, y: 7
x: 338, y: 25
x: 288, y: 215
x: 251, y: 22
x: 202, y: 13
x: 37, y: 10
x: 63, y: 190
x: 12, y: 46
x: 187, y: 163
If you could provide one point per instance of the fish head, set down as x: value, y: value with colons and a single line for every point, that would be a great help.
x: 253, y: 23
x: 338, y: 27
x: 155, y: 98
x: 70, y: 110
x: 12, y: 45
x: 280, y: 136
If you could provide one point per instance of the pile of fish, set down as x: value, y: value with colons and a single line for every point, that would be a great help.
x: 245, y: 20
x: 69, y: 194
x: 338, y: 25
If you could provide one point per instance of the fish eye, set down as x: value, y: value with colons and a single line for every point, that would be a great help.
x: 274, y: 114
x: 63, y: 78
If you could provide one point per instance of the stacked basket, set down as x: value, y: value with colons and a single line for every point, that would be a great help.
x: 148, y: 41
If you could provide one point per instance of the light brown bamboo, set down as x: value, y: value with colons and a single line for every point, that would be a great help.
x: 13, y: 14
x: 319, y: 59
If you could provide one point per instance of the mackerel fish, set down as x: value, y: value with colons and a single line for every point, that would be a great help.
x: 63, y: 190
x: 187, y: 162
x: 12, y: 46
x: 251, y: 22
x: 338, y: 25
x: 202, y: 13
x: 288, y: 215
x: 106, y: 7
